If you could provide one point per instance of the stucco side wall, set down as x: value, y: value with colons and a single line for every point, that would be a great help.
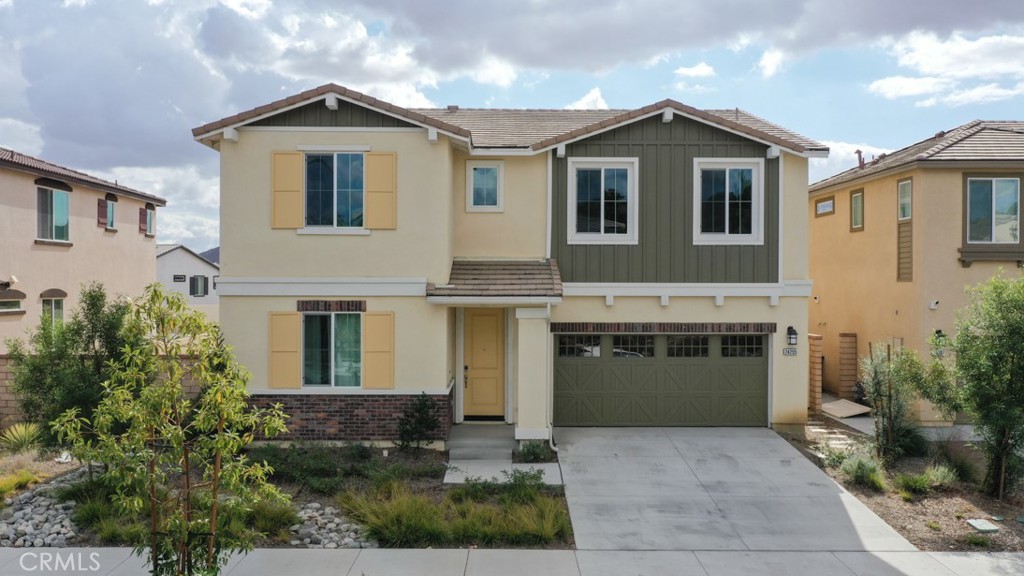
x: 422, y: 340
x: 124, y: 261
x: 420, y: 246
x: 794, y: 218
x: 517, y: 232
x: 854, y: 273
x: 789, y: 374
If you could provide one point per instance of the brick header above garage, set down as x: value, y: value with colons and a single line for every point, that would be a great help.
x: 664, y: 327
x: 331, y: 306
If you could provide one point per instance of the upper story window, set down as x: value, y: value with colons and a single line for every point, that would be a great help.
x: 332, y: 349
x: 199, y: 286
x: 905, y: 194
x: 729, y: 201
x: 857, y: 211
x: 993, y: 210
x: 54, y: 308
x: 105, y: 209
x: 334, y: 190
x: 147, y: 220
x: 484, y: 186
x: 825, y: 206
x: 54, y: 216
x: 602, y: 200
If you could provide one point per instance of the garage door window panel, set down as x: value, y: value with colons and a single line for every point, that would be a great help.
x: 579, y: 346
x: 742, y: 346
x: 688, y: 347
x: 633, y: 346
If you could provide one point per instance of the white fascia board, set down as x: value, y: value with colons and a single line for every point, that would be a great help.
x: 474, y: 151
x: 330, y: 287
x: 789, y: 288
x: 805, y: 153
x: 493, y: 300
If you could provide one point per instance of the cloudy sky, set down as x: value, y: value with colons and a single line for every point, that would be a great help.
x: 113, y: 87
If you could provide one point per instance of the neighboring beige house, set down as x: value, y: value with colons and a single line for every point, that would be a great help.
x: 896, y: 240
x: 182, y: 270
x: 538, y: 267
x: 60, y: 228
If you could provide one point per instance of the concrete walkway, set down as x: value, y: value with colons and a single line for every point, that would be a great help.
x: 278, y: 562
x: 701, y: 489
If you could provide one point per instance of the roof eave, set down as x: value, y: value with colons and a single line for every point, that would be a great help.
x: 111, y: 188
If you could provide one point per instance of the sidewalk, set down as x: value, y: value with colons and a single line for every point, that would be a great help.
x: 377, y: 562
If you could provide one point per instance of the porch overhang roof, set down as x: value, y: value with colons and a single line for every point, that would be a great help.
x: 496, y: 282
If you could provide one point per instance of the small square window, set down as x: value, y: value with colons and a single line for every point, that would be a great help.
x: 579, y: 346
x: 688, y: 347
x: 825, y: 206
x: 728, y: 201
x: 993, y: 210
x: 484, y: 186
x: 602, y: 201
x: 199, y: 286
x: 179, y: 277
x: 633, y: 346
x: 742, y: 346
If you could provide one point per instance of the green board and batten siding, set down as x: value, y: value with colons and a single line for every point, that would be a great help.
x: 665, y: 252
x: 348, y: 115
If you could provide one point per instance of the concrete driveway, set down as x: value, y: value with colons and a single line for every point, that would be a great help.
x: 694, y: 489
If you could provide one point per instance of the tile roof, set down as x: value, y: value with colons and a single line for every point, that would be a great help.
x: 27, y: 163
x: 501, y: 279
x: 523, y: 128
x: 978, y: 140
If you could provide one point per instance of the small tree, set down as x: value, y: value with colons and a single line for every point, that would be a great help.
x: 986, y: 378
x: 64, y: 364
x: 177, y: 459
x: 417, y: 422
x: 889, y: 379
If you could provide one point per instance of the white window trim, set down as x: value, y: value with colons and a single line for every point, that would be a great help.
x: 992, y: 210
x: 632, y: 165
x: 333, y: 228
x: 756, y: 237
x: 302, y: 350
x: 500, y: 166
x: 17, y: 308
x: 899, y: 185
x: 853, y: 213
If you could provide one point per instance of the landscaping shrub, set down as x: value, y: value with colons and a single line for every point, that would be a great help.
x: 940, y: 476
x: 417, y: 423
x: 399, y: 520
x: 89, y: 513
x: 116, y: 531
x: 958, y: 458
x: 357, y: 453
x: 914, y: 483
x: 521, y: 486
x: 270, y: 517
x: 889, y: 379
x: 832, y: 457
x: 535, y: 452
x: 21, y: 437
x: 16, y: 481
x: 864, y: 471
x: 978, y: 541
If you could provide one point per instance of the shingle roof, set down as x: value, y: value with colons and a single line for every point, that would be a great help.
x: 501, y: 279
x: 28, y: 163
x: 977, y: 140
x: 162, y: 249
x: 534, y: 129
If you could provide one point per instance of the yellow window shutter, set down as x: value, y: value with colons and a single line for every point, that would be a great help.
x: 285, y: 350
x: 286, y: 180
x: 381, y: 212
x: 378, y: 350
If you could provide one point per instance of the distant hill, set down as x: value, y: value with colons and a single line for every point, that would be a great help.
x: 213, y: 255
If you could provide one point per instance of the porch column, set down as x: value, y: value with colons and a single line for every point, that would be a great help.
x: 533, y: 367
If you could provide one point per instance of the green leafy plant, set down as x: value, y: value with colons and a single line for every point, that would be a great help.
x: 418, y: 423
x: 864, y: 471
x: 978, y: 541
x: 21, y: 437
x: 63, y: 364
x: 833, y: 458
x: 940, y: 476
x: 175, y: 460
x: 534, y: 451
x: 933, y: 525
x: 269, y: 517
x: 889, y: 380
x: 959, y: 459
x: 914, y: 483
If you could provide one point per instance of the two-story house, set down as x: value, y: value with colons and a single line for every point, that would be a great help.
x: 896, y: 240
x: 539, y: 267
x: 180, y: 269
x: 60, y: 228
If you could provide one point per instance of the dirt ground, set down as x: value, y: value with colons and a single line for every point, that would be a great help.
x: 937, y: 521
x: 41, y: 465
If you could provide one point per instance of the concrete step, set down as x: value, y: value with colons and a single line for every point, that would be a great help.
x: 481, y: 442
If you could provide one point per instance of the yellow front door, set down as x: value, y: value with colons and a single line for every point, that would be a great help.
x: 485, y: 362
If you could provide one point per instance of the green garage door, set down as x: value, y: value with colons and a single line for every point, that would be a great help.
x: 660, y: 380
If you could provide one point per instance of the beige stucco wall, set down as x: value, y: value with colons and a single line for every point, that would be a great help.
x: 422, y: 355
x: 532, y: 392
x: 794, y: 218
x: 854, y: 273
x: 517, y: 232
x: 788, y: 374
x: 124, y: 261
x: 420, y: 246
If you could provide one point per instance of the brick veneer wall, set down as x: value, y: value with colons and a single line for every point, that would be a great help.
x: 814, y: 344
x: 350, y: 417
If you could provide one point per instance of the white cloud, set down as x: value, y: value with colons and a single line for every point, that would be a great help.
x: 20, y: 136
x: 592, y: 100
x: 249, y: 8
x: 771, y: 62
x: 76, y: 3
x: 495, y: 71
x: 693, y: 88
x: 901, y: 86
x: 956, y: 70
x: 197, y: 232
x: 702, y: 70
x: 841, y: 157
